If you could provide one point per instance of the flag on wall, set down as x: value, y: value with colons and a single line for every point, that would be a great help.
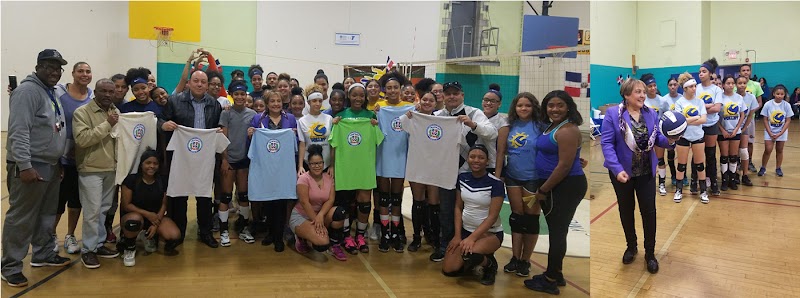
x: 577, y: 84
x: 389, y: 63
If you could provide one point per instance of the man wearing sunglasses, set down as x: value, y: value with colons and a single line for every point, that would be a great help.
x: 36, y: 140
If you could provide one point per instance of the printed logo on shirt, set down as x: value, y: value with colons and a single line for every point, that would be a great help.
x: 317, y: 132
x: 396, y: 125
x: 354, y: 138
x: 690, y: 111
x: 776, y: 119
x: 194, y: 145
x: 434, y: 132
x: 730, y: 111
x: 273, y: 146
x: 138, y: 131
x: 518, y: 140
x: 707, y: 98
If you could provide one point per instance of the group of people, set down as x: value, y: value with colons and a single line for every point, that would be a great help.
x: 716, y: 115
x: 350, y: 151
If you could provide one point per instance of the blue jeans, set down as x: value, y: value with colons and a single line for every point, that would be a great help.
x: 97, y: 194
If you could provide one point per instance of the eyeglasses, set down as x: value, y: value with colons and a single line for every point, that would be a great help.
x: 214, y: 85
x: 53, y: 68
x: 490, y: 100
x: 316, y: 164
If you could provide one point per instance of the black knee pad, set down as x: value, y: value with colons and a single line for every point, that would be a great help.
x: 661, y: 162
x: 385, y: 199
x: 723, y: 160
x: 133, y: 225
x: 700, y: 167
x: 516, y: 221
x: 320, y: 248
x: 456, y: 273
x: 397, y: 199
x: 681, y: 167
x: 242, y: 197
x: 531, y: 224
x: 734, y: 159
x: 364, y: 207
x: 339, y: 214
x: 226, y: 198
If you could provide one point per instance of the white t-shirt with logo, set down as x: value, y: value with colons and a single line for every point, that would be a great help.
x: 433, y: 147
x: 316, y: 130
x: 192, y: 169
x: 135, y: 132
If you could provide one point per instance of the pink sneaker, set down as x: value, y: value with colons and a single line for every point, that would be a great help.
x: 301, y: 246
x: 337, y: 252
x: 350, y: 245
x: 361, y: 242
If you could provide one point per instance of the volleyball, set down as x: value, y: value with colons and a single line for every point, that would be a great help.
x: 672, y: 124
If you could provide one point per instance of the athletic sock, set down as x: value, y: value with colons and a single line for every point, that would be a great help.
x: 361, y: 228
x: 244, y: 212
x: 223, y: 220
x: 395, y: 220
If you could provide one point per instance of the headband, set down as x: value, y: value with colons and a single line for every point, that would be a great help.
x: 707, y: 66
x: 238, y: 87
x: 496, y: 93
x: 650, y: 81
x: 315, y: 95
x: 689, y: 83
x: 138, y: 81
x: 355, y: 85
x: 256, y: 72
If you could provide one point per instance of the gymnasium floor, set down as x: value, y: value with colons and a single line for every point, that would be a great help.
x: 255, y: 270
x: 744, y: 243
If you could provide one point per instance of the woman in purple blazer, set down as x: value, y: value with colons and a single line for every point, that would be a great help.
x: 629, y: 134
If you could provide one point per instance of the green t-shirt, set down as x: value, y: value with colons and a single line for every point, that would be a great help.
x: 349, y: 113
x: 355, y: 142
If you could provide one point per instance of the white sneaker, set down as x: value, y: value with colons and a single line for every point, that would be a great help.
x: 71, y: 243
x: 129, y: 258
x: 150, y: 245
x: 55, y: 239
x: 662, y: 189
x: 246, y: 236
x: 678, y: 197
x: 704, y: 197
x: 374, y: 232
x: 224, y: 239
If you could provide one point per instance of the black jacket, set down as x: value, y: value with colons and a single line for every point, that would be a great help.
x: 180, y: 110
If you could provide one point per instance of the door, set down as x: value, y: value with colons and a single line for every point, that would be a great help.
x: 462, y: 27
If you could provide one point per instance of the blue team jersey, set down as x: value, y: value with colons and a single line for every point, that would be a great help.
x: 521, y: 148
x: 273, y: 173
x: 392, y: 152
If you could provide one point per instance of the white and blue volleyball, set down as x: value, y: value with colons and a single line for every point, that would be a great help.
x: 672, y: 124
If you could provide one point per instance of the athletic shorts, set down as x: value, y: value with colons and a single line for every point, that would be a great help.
x: 296, y: 219
x: 529, y: 186
x: 68, y: 191
x: 712, y: 130
x: 783, y: 138
x: 687, y: 143
x: 720, y: 138
x: 240, y: 165
x: 465, y: 234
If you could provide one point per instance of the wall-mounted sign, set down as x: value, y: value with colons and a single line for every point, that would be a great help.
x: 348, y: 39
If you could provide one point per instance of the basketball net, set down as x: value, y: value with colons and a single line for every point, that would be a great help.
x: 163, y: 36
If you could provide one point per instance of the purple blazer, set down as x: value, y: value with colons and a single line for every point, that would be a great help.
x: 287, y: 121
x: 618, y: 157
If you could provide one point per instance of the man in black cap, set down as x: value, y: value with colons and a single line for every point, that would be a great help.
x: 36, y: 140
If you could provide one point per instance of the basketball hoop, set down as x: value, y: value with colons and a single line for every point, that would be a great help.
x: 557, y: 55
x: 164, y: 36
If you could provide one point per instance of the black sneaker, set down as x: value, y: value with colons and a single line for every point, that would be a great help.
x: 398, y: 244
x: 55, y: 261
x: 489, y: 271
x: 693, y: 187
x: 209, y: 240
x: 746, y: 181
x: 239, y: 224
x: 629, y: 255
x: 15, y: 280
x: 106, y: 253
x: 736, y: 178
x: 523, y: 268
x: 652, y: 264
x: 267, y: 241
x: 511, y: 266
x: 715, y: 188
x: 383, y: 246
x: 415, y: 244
x: 437, y: 256
x: 90, y: 260
x: 279, y: 246
x: 724, y: 185
x: 540, y: 283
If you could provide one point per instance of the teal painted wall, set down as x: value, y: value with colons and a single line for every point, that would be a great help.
x: 604, y: 83
x: 476, y: 85
x: 175, y: 70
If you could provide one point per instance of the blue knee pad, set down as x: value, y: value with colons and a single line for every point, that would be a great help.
x: 385, y: 199
x: 320, y: 248
x: 226, y: 198
x: 242, y: 197
x: 364, y: 207
x: 339, y: 214
x: 531, y: 224
x: 133, y: 225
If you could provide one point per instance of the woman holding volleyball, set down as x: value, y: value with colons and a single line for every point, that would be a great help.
x: 630, y: 137
x: 694, y: 110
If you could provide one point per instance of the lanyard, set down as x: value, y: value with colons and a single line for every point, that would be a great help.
x: 59, y: 121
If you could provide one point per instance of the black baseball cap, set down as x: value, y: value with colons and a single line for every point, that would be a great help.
x: 453, y: 84
x: 51, y: 54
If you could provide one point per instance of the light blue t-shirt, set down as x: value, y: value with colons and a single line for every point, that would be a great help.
x: 273, y: 173
x: 710, y: 94
x: 657, y: 104
x: 732, y: 107
x: 776, y: 114
x: 521, y: 148
x: 670, y: 101
x: 750, y: 103
x: 392, y: 152
x: 691, y: 108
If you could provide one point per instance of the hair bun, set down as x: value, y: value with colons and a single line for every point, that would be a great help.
x: 320, y: 71
x: 494, y: 86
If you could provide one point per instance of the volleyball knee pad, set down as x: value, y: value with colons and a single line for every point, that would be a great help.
x: 339, y: 214
x: 397, y: 199
x: 661, y: 162
x: 242, y: 197
x: 700, y: 167
x: 226, y: 198
x: 531, y: 224
x: 516, y: 222
x: 320, y: 248
x: 723, y: 160
x: 133, y: 225
x: 364, y: 207
x: 681, y: 167
x: 743, y: 154
x: 385, y: 199
x: 456, y: 273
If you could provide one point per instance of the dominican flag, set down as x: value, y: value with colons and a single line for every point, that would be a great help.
x: 577, y: 84
x: 389, y: 63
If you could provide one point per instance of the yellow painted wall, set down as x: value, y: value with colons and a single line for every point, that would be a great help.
x: 184, y: 16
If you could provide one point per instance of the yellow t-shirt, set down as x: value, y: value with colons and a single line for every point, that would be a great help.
x: 385, y: 103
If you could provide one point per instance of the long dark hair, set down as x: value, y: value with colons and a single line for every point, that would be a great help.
x: 535, y: 111
x: 572, y: 109
x: 148, y: 153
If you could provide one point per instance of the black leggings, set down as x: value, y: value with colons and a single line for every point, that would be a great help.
x: 671, y: 162
x: 645, y: 189
x: 559, y: 208
x: 177, y: 207
x: 276, y: 217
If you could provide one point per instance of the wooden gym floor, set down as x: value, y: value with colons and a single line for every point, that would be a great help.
x: 243, y: 270
x: 744, y: 243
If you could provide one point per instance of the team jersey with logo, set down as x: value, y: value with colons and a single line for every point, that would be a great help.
x: 192, y: 169
x: 709, y: 95
x: 477, y: 194
x: 521, y: 148
x: 273, y: 171
x: 355, y: 142
x: 732, y: 106
x: 393, y: 150
x: 434, y: 143
x: 657, y: 104
x: 316, y: 130
x: 670, y: 101
x: 750, y: 103
x: 691, y: 108
x: 135, y: 132
x: 776, y: 114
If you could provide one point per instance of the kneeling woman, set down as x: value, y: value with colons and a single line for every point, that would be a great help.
x: 479, y: 197
x: 314, y: 219
x: 144, y: 203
